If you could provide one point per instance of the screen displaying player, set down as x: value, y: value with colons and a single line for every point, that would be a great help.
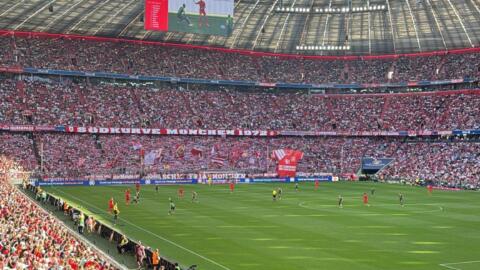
x: 212, y: 17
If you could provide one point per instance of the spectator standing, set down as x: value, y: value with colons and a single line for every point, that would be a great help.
x: 139, y: 254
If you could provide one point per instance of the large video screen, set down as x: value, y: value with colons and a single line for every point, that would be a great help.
x: 211, y: 17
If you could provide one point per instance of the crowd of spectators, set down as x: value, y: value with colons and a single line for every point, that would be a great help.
x: 31, y: 238
x: 443, y: 162
x: 130, y: 58
x: 108, y: 105
x: 164, y: 106
x: 68, y: 155
x: 20, y: 148
x: 48, y: 102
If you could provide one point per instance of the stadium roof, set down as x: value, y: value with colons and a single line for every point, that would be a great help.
x: 406, y: 26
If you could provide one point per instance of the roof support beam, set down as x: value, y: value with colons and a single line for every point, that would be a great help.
x: 237, y: 3
x: 130, y: 23
x: 461, y: 23
x: 86, y: 16
x: 112, y: 17
x: 476, y: 6
x: 391, y: 26
x: 12, y: 7
x: 369, y: 31
x: 326, y: 27
x: 283, y: 28
x: 414, y: 25
x: 60, y: 16
x: 438, y: 25
x: 243, y: 24
x: 269, y: 12
x: 35, y: 13
x: 305, y: 26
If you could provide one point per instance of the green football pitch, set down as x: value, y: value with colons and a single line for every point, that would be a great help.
x: 247, y: 230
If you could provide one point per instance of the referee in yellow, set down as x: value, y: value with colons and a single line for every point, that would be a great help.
x: 115, y: 214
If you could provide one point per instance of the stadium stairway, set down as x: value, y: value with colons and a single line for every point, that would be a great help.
x: 36, y: 151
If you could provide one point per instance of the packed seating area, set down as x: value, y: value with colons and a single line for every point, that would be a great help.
x: 67, y: 155
x: 31, y: 238
x: 44, y: 102
x: 130, y: 58
x: 67, y: 103
x: 53, y: 103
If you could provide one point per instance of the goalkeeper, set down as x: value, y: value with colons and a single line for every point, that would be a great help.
x: 182, y: 16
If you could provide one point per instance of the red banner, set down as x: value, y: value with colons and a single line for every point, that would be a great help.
x: 167, y: 131
x: 11, y: 69
x: 230, y: 132
x: 287, y: 161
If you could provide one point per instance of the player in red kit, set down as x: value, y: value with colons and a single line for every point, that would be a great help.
x: 365, y: 199
x: 430, y: 189
x: 203, y: 15
x: 180, y: 193
x: 232, y: 186
x: 110, y: 205
x: 127, y: 196
x: 316, y: 184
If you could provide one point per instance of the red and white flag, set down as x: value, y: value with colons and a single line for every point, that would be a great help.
x: 287, y: 161
x: 218, y: 160
x: 279, y: 154
x: 197, y: 151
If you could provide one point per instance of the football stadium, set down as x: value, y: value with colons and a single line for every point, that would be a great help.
x: 240, y: 134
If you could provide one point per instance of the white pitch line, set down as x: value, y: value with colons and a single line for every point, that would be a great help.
x: 151, y: 233
x: 302, y: 204
x: 448, y: 265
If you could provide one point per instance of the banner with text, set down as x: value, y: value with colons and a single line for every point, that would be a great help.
x: 233, y: 132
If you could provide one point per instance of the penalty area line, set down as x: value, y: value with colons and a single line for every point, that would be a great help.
x: 449, y: 265
x: 151, y: 233
x: 440, y: 208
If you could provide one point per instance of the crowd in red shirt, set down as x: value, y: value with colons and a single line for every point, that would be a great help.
x: 124, y: 57
x: 67, y: 103
x: 31, y: 238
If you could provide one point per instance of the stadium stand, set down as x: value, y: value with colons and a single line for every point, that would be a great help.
x: 32, y: 238
x: 45, y: 101
x: 394, y: 82
x: 131, y: 58
x: 52, y: 103
x: 48, y: 102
